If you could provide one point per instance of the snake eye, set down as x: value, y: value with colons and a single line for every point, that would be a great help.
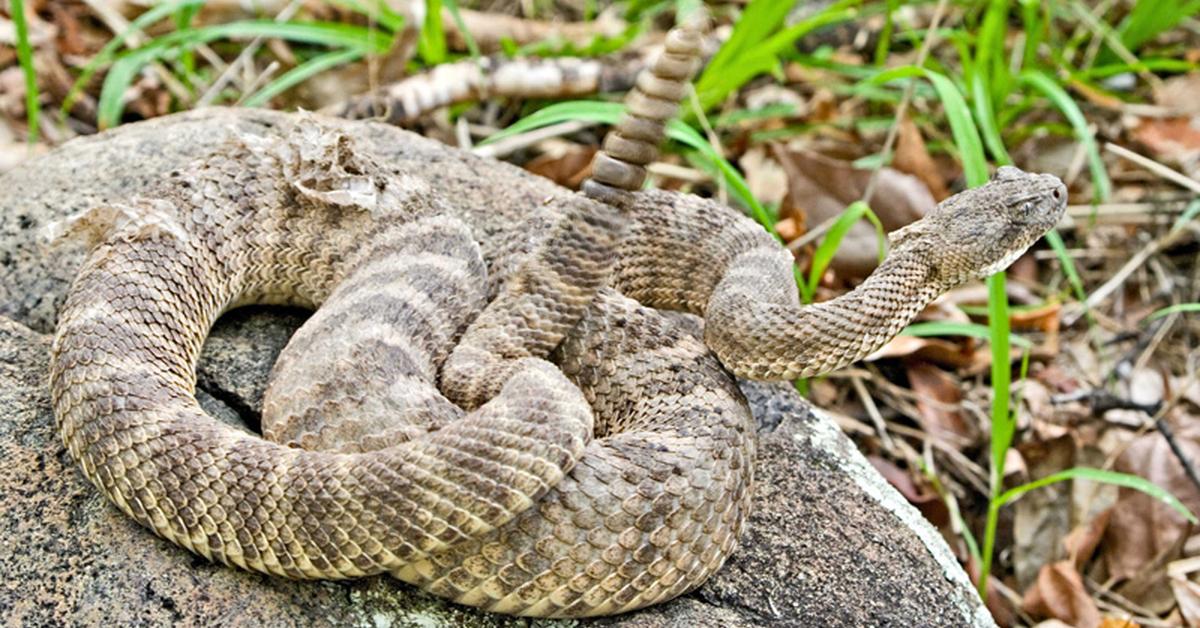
x: 1027, y: 207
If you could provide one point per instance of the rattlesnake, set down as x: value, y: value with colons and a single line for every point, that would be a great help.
x: 613, y: 476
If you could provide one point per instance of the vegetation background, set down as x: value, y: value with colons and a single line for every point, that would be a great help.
x: 1047, y: 422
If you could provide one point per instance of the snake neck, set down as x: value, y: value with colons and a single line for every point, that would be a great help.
x: 791, y: 340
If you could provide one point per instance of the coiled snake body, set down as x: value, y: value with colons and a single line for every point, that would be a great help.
x: 485, y: 405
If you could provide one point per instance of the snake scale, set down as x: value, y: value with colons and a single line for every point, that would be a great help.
x: 488, y: 405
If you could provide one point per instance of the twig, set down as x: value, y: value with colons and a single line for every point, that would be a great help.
x: 1154, y: 247
x: 683, y: 173
x: 1104, y: 291
x: 1169, y: 435
x: 244, y: 58
x: 258, y: 81
x: 1153, y: 166
x: 118, y: 24
x: 1122, y: 602
x: 522, y: 140
x: 1121, y: 213
x: 1102, y: 401
x: 873, y: 412
x: 462, y: 133
x: 1114, y: 43
x: 812, y: 235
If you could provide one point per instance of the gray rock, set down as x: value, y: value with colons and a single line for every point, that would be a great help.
x: 829, y: 543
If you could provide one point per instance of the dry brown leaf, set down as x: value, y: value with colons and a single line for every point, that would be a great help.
x: 1173, y: 140
x: 1187, y: 596
x: 913, y: 157
x: 820, y: 187
x: 1082, y: 542
x: 764, y: 175
x: 70, y: 39
x: 788, y: 229
x: 1044, y: 319
x: 568, y: 169
x: 1180, y: 93
x: 1059, y: 593
x: 1057, y: 379
x: 1041, y: 518
x: 1024, y: 269
x: 1142, y: 528
x: 1183, y: 574
x: 938, y: 398
x: 918, y: 494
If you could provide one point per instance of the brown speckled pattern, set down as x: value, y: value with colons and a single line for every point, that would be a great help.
x: 612, y: 476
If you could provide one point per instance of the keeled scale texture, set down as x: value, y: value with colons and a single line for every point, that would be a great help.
x: 507, y: 507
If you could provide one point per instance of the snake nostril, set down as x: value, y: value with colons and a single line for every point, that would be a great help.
x: 1057, y: 194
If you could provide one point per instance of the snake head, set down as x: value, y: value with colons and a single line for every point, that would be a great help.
x: 981, y: 231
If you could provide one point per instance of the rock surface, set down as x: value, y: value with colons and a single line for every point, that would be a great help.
x: 829, y: 542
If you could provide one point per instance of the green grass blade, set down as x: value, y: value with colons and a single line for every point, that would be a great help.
x: 583, y: 110
x: 183, y: 21
x: 1003, y: 425
x: 1068, y: 264
x: 1174, y: 309
x: 681, y: 132
x: 1035, y: 28
x: 1153, y: 64
x: 122, y: 73
x: 962, y: 128
x: 986, y: 118
x: 750, y: 52
x: 989, y: 50
x: 119, y: 78
x: 1003, y: 422
x: 1043, y: 83
x: 33, y: 107
x: 378, y: 12
x: 432, y: 42
x: 927, y: 329
x: 1151, y: 17
x: 1100, y: 475
x: 822, y: 257
x: 756, y: 23
x: 1189, y: 213
x: 109, y: 51
x: 472, y: 47
x: 301, y: 73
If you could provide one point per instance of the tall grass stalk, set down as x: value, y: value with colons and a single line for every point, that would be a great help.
x: 33, y: 109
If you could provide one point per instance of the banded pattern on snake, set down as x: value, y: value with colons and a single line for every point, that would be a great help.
x: 414, y: 425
